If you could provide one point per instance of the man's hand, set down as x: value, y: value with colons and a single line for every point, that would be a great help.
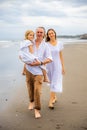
x: 35, y: 63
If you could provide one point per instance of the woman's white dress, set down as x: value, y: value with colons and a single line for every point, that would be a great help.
x: 54, y: 68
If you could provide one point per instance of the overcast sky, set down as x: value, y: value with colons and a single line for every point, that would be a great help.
x: 67, y: 17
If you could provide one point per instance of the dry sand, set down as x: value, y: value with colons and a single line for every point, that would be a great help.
x: 70, y: 111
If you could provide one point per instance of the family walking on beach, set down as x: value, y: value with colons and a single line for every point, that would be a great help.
x: 43, y: 63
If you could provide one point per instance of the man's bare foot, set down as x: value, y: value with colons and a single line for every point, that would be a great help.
x: 37, y: 114
x: 31, y: 106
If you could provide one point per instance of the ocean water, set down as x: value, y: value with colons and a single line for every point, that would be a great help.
x: 11, y: 67
x: 9, y: 43
x: 10, y: 70
x: 9, y: 61
x: 10, y: 64
x: 9, y: 54
x: 72, y: 41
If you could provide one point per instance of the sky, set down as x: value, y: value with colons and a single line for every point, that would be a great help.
x: 67, y: 17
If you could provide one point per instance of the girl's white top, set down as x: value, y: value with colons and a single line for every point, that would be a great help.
x: 24, y: 53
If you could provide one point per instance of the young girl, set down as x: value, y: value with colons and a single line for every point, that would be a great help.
x: 26, y: 53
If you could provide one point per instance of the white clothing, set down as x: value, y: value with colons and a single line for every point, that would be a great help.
x: 24, y: 53
x: 42, y: 52
x: 55, y: 68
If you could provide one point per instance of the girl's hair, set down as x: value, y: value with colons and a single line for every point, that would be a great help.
x: 47, y: 37
x: 43, y: 29
x: 27, y: 33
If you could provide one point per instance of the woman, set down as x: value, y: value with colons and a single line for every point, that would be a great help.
x: 55, y: 68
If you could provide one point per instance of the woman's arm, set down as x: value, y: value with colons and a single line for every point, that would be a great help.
x: 62, y: 62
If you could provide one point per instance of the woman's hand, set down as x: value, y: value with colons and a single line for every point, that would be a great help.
x: 63, y: 71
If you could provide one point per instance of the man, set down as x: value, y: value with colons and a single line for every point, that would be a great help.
x: 34, y: 75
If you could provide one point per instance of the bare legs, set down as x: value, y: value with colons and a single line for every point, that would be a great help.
x: 36, y: 111
x: 53, y: 99
x: 24, y: 70
x: 46, y: 79
x: 31, y: 106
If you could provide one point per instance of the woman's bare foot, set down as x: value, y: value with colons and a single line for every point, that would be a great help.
x: 37, y: 114
x: 51, y: 106
x: 54, y: 100
x: 31, y: 106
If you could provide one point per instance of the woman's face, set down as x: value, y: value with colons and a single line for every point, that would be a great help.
x: 51, y: 34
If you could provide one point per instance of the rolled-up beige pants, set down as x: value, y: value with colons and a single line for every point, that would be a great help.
x: 34, y: 85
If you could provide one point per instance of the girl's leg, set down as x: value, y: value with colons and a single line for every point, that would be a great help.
x: 24, y: 70
x: 46, y: 79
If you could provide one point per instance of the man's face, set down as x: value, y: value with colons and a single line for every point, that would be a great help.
x: 40, y: 33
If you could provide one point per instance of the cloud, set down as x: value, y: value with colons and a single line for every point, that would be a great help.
x: 67, y: 17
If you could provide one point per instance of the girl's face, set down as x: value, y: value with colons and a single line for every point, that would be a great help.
x: 51, y: 34
x: 30, y: 36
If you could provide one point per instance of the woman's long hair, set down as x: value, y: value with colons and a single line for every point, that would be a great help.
x: 47, y: 37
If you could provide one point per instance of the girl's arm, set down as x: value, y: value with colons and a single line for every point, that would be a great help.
x: 62, y: 62
x: 31, y: 49
x: 36, y: 62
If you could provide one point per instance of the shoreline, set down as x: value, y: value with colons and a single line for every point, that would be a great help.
x: 70, y: 111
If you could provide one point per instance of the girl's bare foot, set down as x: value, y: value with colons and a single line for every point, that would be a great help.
x: 23, y: 73
x: 37, y: 114
x: 46, y: 80
x: 31, y: 106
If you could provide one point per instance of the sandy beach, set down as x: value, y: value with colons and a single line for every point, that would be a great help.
x: 70, y: 111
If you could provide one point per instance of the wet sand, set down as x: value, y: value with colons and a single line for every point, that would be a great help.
x: 70, y: 111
